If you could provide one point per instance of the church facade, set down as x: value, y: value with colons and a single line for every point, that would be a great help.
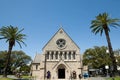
x: 60, y: 59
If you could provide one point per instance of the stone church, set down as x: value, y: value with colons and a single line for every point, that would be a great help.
x: 60, y: 59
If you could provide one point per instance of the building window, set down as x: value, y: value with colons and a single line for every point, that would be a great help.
x: 69, y: 55
x: 65, y: 55
x: 56, y: 55
x: 74, y: 55
x: 52, y: 55
x: 36, y: 67
x: 60, y: 55
x: 47, y: 55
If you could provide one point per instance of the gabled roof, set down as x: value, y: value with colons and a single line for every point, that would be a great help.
x: 37, y: 58
x: 59, y: 63
x: 60, y: 30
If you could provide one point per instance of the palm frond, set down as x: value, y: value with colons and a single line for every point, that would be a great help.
x: 19, y: 31
x: 103, y: 21
x: 115, y: 25
x: 12, y: 33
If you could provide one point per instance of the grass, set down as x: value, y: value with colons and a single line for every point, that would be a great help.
x: 115, y: 78
x: 26, y: 77
x: 6, y: 79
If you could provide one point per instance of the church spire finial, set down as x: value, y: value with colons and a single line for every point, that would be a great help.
x: 61, y: 27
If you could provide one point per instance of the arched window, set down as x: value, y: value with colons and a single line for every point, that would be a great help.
x: 47, y: 55
x: 65, y: 55
x: 73, y: 55
x: 52, y: 55
x: 36, y: 67
x: 56, y: 55
x: 60, y: 55
x: 69, y: 55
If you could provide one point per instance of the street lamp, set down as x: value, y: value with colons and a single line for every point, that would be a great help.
x: 112, y: 67
x: 107, y: 51
x: 107, y: 67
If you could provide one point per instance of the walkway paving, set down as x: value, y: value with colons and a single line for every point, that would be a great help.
x: 9, y: 76
x: 91, y: 78
x: 97, y: 78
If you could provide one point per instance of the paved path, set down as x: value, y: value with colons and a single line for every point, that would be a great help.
x: 91, y: 78
x: 97, y: 78
x: 12, y: 77
x: 9, y: 76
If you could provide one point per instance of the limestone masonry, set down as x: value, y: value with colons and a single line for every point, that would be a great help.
x: 60, y: 59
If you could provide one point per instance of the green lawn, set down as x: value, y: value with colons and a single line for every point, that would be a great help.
x: 26, y: 77
x: 116, y: 78
x: 5, y: 79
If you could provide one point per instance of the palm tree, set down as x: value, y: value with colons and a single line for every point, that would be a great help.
x: 103, y: 23
x: 12, y: 36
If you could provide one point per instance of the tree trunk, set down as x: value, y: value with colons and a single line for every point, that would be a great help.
x: 8, y: 60
x: 113, y: 68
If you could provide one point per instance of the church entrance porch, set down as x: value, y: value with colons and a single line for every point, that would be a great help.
x: 61, y: 73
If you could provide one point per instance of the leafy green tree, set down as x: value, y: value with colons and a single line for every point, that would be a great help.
x: 103, y: 23
x: 18, y: 60
x: 2, y: 60
x: 25, y: 69
x: 12, y: 35
x: 117, y: 56
x: 96, y: 57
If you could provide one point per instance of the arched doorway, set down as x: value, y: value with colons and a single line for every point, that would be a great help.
x: 61, y: 71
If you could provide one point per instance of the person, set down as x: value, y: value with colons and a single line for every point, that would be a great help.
x: 48, y: 75
x: 80, y: 76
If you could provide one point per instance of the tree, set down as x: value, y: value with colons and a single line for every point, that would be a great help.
x: 2, y: 60
x: 18, y: 60
x: 25, y: 69
x: 96, y: 57
x: 12, y: 36
x: 117, y: 56
x: 103, y: 23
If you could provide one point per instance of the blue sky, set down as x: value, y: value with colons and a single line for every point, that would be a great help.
x: 42, y: 18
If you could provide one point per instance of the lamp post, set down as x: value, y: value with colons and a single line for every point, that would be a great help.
x: 107, y: 67
x: 111, y: 67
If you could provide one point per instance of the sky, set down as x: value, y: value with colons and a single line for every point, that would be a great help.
x: 41, y: 19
